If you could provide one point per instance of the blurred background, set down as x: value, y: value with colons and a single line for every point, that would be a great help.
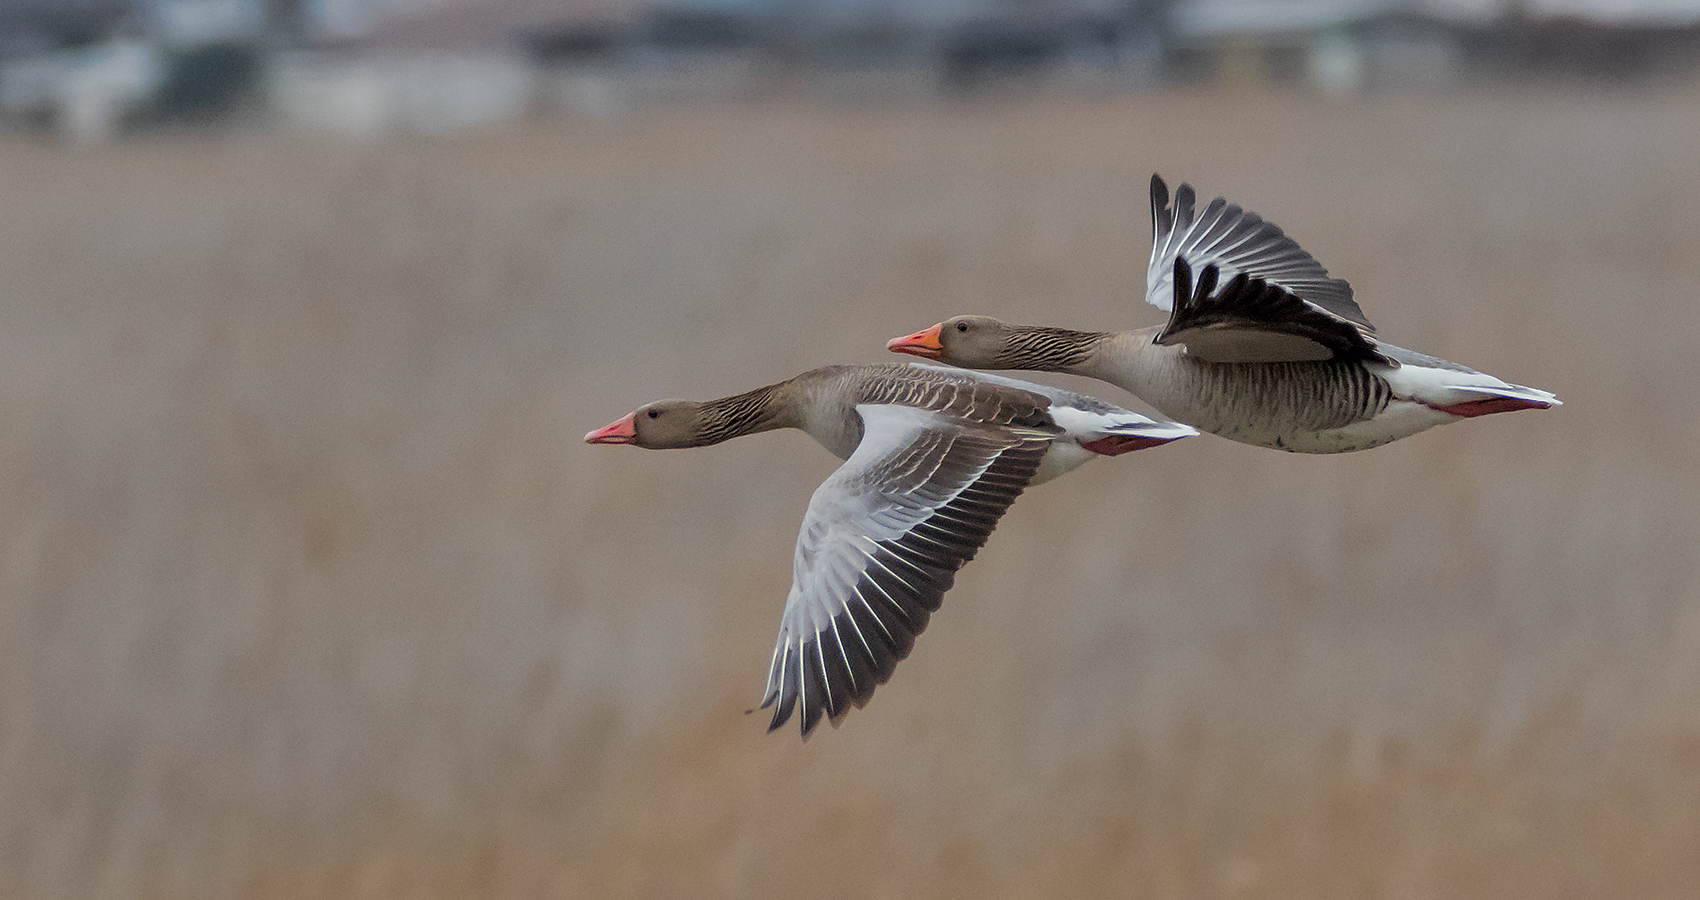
x: 309, y: 587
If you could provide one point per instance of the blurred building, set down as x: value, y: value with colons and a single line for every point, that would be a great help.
x: 88, y: 68
x: 84, y: 68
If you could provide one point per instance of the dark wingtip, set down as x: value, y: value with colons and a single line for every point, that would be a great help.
x: 1185, y: 200
x: 1206, y: 283
x: 781, y: 713
x: 1178, y: 305
x: 783, y: 710
x: 811, y: 718
x: 1243, y: 284
x: 1162, y: 221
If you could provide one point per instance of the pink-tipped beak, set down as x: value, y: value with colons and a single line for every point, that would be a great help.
x: 923, y: 343
x: 620, y: 432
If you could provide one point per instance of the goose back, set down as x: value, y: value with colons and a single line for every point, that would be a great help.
x: 827, y: 399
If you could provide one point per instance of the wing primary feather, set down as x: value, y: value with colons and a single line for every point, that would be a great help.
x: 907, y: 623
x: 884, y: 656
x: 802, y: 698
x: 786, y: 700
x: 876, y: 616
x: 862, y: 675
x: 1206, y: 284
x: 866, y: 654
x: 774, y: 668
x: 844, y: 653
x: 829, y: 697
x: 1184, y: 200
x: 811, y: 671
x: 1213, y: 229
x: 931, y: 577
x: 913, y: 594
x: 1162, y: 223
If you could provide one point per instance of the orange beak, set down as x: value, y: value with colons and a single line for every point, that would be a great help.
x: 924, y: 344
x: 620, y: 432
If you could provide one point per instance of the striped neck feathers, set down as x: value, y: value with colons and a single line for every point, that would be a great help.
x: 1046, y: 349
x: 739, y: 414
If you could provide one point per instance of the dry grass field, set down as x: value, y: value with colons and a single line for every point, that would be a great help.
x: 309, y: 588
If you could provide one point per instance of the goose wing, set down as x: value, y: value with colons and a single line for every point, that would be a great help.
x: 880, y: 546
x: 1254, y: 320
x: 1237, y: 242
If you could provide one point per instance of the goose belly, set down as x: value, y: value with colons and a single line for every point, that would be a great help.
x: 1302, y: 407
x: 1400, y: 419
x: 1063, y: 456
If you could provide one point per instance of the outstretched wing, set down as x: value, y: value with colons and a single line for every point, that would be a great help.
x: 880, y: 546
x: 1253, y: 320
x: 1236, y: 242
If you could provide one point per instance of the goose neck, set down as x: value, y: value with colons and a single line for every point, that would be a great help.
x: 1042, y: 348
x: 762, y: 409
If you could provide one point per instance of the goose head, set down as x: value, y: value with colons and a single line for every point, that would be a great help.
x: 975, y: 342
x: 982, y: 342
x: 662, y: 425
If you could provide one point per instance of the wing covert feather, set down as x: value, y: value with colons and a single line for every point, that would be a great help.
x: 1253, y: 320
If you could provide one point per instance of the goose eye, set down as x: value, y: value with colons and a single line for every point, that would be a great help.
x: 655, y: 414
x: 962, y: 327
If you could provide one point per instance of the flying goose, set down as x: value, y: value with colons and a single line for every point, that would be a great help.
x: 1263, y: 347
x: 933, y: 457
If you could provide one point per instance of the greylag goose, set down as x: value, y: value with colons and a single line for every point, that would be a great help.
x: 933, y: 457
x: 1263, y: 348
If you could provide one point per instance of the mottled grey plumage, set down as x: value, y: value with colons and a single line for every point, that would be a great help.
x: 1265, y: 348
x: 933, y: 458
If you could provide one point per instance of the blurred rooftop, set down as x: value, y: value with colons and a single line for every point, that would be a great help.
x: 90, y: 69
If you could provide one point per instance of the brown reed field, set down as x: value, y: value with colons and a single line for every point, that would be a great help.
x: 310, y: 589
